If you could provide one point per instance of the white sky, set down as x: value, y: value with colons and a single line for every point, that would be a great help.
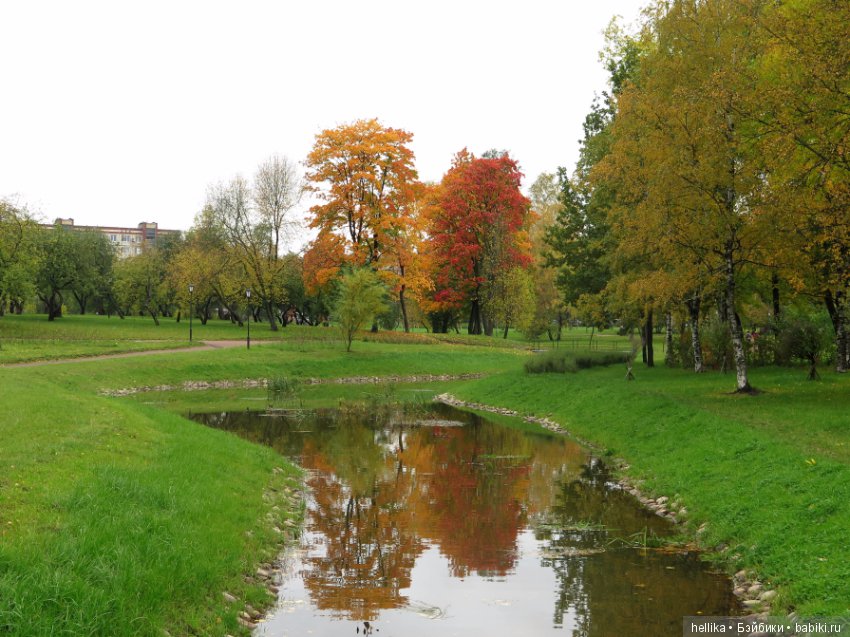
x: 119, y: 112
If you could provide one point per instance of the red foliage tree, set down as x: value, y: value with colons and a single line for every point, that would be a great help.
x: 478, y: 233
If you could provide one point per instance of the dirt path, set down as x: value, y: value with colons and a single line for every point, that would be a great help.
x: 206, y: 346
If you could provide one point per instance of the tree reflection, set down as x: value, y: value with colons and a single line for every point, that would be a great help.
x: 385, y: 491
x: 383, y: 494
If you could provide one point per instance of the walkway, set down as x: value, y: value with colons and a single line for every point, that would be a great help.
x: 205, y: 346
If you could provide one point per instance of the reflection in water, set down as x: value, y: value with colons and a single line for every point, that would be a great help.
x: 492, y: 526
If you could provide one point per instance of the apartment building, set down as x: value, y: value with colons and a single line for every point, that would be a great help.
x: 127, y: 241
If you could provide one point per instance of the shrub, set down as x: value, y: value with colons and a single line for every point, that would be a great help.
x: 360, y: 298
x: 600, y: 359
x: 561, y: 361
x: 400, y: 338
x: 716, y: 343
x: 802, y: 338
x: 283, y: 391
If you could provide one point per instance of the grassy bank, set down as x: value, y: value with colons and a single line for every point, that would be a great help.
x: 31, y: 337
x: 118, y: 517
x: 770, y: 474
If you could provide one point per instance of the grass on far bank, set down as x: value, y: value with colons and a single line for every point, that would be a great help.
x: 31, y: 337
x: 769, y: 473
x: 28, y: 350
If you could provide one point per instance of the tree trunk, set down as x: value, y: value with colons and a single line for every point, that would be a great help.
x: 774, y: 280
x: 668, y: 340
x: 205, y: 314
x: 650, y: 354
x: 643, y: 344
x: 489, y: 324
x: 270, y: 311
x: 82, y: 301
x: 834, y: 305
x: 474, y: 325
x: 403, y: 306
x: 735, y: 328
x: 813, y: 368
x: 693, y: 312
x: 53, y: 305
x: 505, y: 335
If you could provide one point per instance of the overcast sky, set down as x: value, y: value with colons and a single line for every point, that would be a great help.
x: 116, y: 112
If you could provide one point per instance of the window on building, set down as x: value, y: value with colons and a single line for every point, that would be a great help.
x: 113, y: 238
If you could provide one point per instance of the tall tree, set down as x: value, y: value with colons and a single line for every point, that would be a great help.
x: 65, y: 263
x: 550, y: 311
x: 680, y: 154
x: 141, y: 282
x: 95, y: 260
x: 247, y: 230
x: 801, y: 103
x: 277, y: 192
x: 479, y: 231
x: 18, y: 255
x: 363, y: 174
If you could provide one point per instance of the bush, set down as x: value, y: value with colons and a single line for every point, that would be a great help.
x: 561, y: 361
x: 399, y: 338
x: 551, y: 362
x: 599, y: 359
x: 360, y: 298
x: 283, y: 391
x: 801, y: 338
x: 716, y: 343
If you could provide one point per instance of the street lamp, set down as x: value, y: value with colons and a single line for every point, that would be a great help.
x: 248, y: 296
x: 191, y: 308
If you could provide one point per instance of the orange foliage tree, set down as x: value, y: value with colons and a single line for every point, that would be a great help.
x: 364, y: 177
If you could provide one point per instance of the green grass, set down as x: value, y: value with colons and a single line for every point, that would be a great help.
x: 119, y: 517
x: 91, y: 328
x: 30, y: 337
x: 27, y: 350
x: 769, y: 473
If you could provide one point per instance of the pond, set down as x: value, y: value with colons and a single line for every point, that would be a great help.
x: 442, y: 522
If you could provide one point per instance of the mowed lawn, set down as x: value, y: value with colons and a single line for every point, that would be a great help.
x: 119, y: 517
x: 770, y: 474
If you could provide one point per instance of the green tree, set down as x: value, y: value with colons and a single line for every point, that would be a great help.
x: 800, y: 105
x: 360, y: 298
x: 680, y: 162
x: 141, y: 283
x: 254, y: 219
x: 95, y: 258
x: 59, y: 267
x: 512, y: 300
x: 18, y: 256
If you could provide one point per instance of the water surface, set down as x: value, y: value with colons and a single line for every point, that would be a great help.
x: 443, y: 523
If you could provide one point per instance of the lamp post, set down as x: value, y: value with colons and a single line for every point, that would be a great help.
x: 191, y: 308
x: 248, y: 296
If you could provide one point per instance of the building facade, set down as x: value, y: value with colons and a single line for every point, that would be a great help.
x: 126, y: 241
